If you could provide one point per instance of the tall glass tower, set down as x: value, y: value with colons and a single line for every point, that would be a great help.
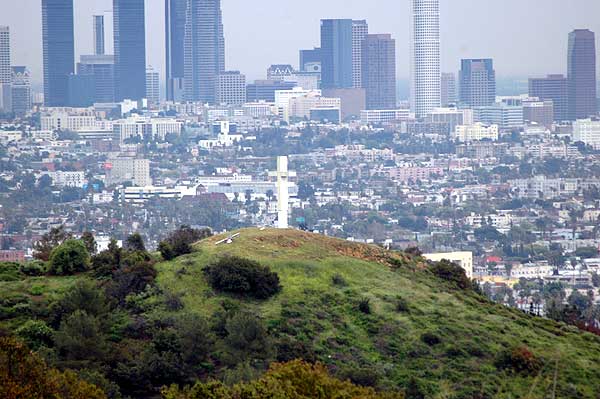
x: 58, y: 49
x: 174, y: 38
x: 130, y: 49
x: 99, y: 34
x: 204, y: 49
x: 337, y: 37
x: 477, y: 82
x: 425, y: 56
x: 582, y: 74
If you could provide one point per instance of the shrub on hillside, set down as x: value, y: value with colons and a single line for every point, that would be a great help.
x: 180, y: 241
x: 70, y: 257
x: 35, y: 333
x: 33, y: 268
x: 431, y: 338
x: 451, y: 272
x: 9, y: 271
x: 364, y: 305
x: 242, y: 276
x: 520, y: 359
x: 295, y: 379
x: 25, y: 375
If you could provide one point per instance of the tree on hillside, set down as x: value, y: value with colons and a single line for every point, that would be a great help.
x: 49, y: 241
x: 68, y: 258
x: 135, y: 242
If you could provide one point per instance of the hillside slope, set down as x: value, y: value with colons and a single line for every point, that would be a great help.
x: 421, y: 333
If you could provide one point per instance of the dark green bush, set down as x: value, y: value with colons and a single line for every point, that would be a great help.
x: 10, y: 271
x: 180, y: 241
x: 35, y: 333
x: 70, y: 257
x: 338, y: 280
x: 364, y: 305
x: 451, y: 272
x: 431, y: 338
x: 33, y: 268
x: 402, y: 305
x: 242, y: 276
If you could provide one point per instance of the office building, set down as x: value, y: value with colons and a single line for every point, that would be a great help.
x: 425, y: 56
x: 505, y: 116
x: 5, y: 64
x: 306, y: 80
x: 5, y: 70
x: 310, y: 60
x: 554, y: 88
x: 121, y: 170
x: 378, y: 116
x: 451, y: 117
x: 99, y: 35
x: 80, y: 91
x: 146, y: 128
x: 463, y: 259
x: 264, y: 90
x: 336, y: 53
x: 477, y: 82
x: 230, y: 88
x: 476, y: 132
x: 538, y: 111
x: 21, y: 90
x: 353, y: 101
x: 58, y: 50
x: 130, y: 49
x: 102, y: 68
x: 283, y: 97
x: 279, y: 71
x: 582, y: 74
x: 175, y: 15
x: 204, y: 49
x: 360, y: 30
x: 587, y: 131
x: 449, y: 93
x: 300, y: 107
x: 152, y: 86
x: 379, y: 71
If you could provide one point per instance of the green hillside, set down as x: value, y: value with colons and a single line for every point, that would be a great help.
x: 378, y: 318
x: 447, y: 341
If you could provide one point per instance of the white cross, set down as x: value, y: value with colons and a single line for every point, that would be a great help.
x: 283, y: 176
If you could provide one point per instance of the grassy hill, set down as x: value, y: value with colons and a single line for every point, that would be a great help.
x: 445, y: 341
x: 419, y: 333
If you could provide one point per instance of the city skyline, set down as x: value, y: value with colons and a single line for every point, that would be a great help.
x: 458, y: 41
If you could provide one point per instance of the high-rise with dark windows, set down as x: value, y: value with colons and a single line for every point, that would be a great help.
x: 99, y: 35
x: 379, y: 71
x: 204, y: 49
x: 130, y: 49
x: 477, y: 82
x: 582, y: 74
x: 174, y: 38
x: 555, y: 88
x: 58, y: 49
x: 336, y: 53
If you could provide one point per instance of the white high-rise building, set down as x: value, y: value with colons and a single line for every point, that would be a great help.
x: 360, y: 30
x: 5, y: 70
x: 425, y: 56
x: 230, y: 88
x: 152, y: 86
x: 587, y: 131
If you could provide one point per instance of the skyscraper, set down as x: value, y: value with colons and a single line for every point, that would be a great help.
x: 21, y: 90
x: 477, y: 82
x: 99, y: 35
x: 582, y: 74
x: 204, y: 49
x: 310, y: 60
x: 425, y: 56
x: 102, y: 68
x: 360, y: 30
x: 174, y: 37
x: 379, y: 71
x: 337, y: 53
x: 58, y: 49
x: 448, y: 91
x: 555, y: 88
x: 5, y: 70
x: 152, y: 86
x: 130, y: 49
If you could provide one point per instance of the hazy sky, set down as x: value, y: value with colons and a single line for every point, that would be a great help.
x: 525, y: 37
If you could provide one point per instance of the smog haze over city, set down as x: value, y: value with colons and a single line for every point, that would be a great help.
x: 394, y: 199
